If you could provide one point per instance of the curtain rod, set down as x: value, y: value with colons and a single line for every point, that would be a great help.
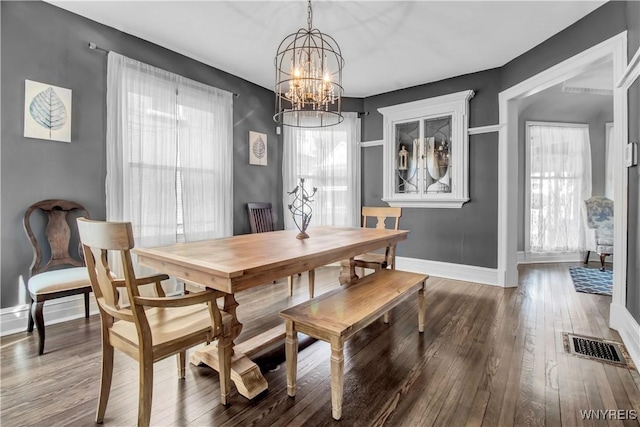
x: 93, y: 46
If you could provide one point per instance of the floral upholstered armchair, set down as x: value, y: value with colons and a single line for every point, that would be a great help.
x: 598, y: 217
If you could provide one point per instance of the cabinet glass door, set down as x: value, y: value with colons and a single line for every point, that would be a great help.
x: 407, y: 147
x: 437, y: 155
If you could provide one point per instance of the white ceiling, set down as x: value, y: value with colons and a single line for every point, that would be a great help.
x: 387, y: 45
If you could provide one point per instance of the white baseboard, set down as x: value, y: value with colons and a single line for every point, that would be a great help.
x: 468, y: 273
x: 621, y: 320
x: 533, y: 258
x: 14, y: 319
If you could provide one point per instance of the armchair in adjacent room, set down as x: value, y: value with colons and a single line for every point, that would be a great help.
x: 598, y: 218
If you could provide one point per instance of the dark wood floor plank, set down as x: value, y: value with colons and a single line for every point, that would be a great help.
x: 488, y: 357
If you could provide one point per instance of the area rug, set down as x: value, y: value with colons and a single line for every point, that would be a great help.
x: 591, y: 280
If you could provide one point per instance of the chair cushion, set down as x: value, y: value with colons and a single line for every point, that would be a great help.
x: 59, y: 280
x: 167, y: 324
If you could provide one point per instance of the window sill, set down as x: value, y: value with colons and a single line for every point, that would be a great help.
x: 449, y: 203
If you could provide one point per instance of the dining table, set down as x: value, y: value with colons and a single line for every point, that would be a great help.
x: 241, y: 262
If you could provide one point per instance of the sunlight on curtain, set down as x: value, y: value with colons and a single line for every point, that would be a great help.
x: 205, y: 147
x: 608, y: 187
x: 560, y: 173
x: 326, y: 158
x: 169, y: 154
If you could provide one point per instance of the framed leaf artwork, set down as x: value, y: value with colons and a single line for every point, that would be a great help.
x: 47, y: 112
x: 257, y: 148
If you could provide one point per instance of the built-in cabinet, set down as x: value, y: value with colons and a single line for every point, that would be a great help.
x: 426, y: 152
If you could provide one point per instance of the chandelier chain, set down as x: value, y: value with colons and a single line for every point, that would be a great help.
x: 309, y: 15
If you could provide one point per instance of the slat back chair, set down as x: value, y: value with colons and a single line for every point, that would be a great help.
x: 51, y: 244
x: 261, y: 221
x: 385, y: 217
x: 260, y: 217
x: 151, y: 328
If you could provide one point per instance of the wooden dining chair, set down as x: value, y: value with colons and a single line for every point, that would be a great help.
x: 378, y: 261
x: 51, y: 250
x: 260, y: 221
x: 150, y: 328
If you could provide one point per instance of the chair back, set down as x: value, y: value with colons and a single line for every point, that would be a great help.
x: 260, y: 217
x: 98, y: 238
x: 381, y: 214
x: 56, y: 233
x: 598, y: 211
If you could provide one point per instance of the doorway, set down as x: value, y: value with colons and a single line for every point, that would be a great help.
x: 613, y: 49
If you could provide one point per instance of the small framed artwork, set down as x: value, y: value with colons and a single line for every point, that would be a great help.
x: 47, y: 112
x: 257, y: 148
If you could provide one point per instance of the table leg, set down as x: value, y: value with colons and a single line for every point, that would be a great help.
x: 244, y: 373
x: 348, y: 271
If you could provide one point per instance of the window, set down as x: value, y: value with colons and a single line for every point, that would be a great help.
x: 327, y: 159
x: 559, y: 176
x: 169, y: 154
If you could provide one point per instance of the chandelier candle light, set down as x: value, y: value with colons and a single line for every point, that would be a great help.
x: 308, y: 78
x: 301, y: 207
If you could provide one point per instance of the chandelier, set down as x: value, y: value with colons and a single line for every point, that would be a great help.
x: 308, y: 79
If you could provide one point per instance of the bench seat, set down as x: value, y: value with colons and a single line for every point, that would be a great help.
x: 337, y: 315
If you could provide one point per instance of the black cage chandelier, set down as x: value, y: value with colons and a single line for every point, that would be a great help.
x: 309, y: 79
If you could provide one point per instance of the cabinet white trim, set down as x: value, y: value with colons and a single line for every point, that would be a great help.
x: 454, y: 106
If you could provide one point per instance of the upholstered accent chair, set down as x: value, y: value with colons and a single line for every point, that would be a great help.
x: 598, y: 218
x: 57, y: 270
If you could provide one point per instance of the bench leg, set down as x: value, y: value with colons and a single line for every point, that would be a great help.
x: 290, y: 282
x: 337, y: 376
x: 386, y: 317
x: 291, y: 356
x: 421, y: 308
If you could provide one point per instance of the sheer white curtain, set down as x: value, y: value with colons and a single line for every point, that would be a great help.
x: 608, y: 188
x: 169, y: 154
x: 205, y: 135
x: 326, y: 158
x: 560, y: 180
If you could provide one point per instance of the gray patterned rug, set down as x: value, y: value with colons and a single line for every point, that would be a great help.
x: 591, y: 280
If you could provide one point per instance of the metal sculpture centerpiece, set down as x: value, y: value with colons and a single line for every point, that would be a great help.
x: 300, y: 208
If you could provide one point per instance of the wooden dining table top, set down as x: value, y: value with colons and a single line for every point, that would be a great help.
x: 232, y: 264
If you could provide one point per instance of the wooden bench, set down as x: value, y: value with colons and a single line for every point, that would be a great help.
x: 337, y: 315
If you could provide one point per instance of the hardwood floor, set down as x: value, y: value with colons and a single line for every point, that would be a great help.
x: 488, y: 357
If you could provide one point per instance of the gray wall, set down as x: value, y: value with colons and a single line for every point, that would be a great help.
x: 469, y: 235
x: 633, y: 256
x: 462, y: 236
x: 44, y: 43
x: 552, y: 105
